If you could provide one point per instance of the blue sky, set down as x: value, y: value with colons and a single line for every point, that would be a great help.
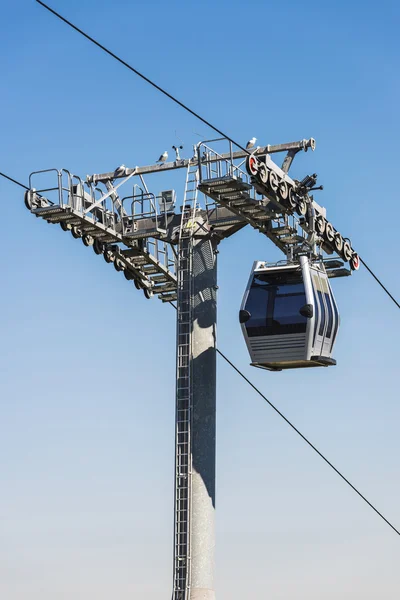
x: 87, y: 364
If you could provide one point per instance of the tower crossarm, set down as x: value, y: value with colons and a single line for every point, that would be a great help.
x: 100, y: 219
x: 266, y: 197
x: 292, y: 147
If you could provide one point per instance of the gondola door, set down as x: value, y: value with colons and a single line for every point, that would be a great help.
x: 326, y: 315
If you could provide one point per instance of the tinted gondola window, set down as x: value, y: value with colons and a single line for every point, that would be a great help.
x: 323, y: 315
x: 335, y: 310
x: 274, y: 302
x: 330, y: 316
x: 319, y: 295
x: 317, y: 309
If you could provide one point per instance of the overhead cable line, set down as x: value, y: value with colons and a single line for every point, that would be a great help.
x: 184, y: 106
x: 303, y: 437
x: 380, y: 282
x: 14, y: 181
x: 230, y: 363
x: 275, y: 409
x: 152, y: 83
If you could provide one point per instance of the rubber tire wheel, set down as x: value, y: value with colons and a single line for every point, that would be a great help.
x: 119, y: 265
x: 355, y: 262
x: 98, y: 247
x: 75, y: 232
x: 320, y: 224
x: 87, y: 239
x: 128, y: 275
x: 274, y: 181
x: 329, y: 233
x: 338, y: 243
x: 137, y: 284
x: 292, y: 201
x: 108, y: 256
x: 263, y: 174
x: 301, y: 207
x: 65, y: 226
x: 28, y: 199
x: 347, y: 251
x: 252, y: 165
x: 147, y: 294
x: 283, y: 190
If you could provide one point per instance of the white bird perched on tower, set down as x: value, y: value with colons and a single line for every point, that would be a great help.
x: 163, y: 157
x: 250, y: 143
x: 120, y: 170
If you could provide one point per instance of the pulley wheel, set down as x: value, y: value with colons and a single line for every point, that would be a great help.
x: 108, y: 256
x: 147, y: 293
x: 98, y: 246
x: 338, y: 242
x: 28, y: 197
x: 347, y: 251
x: 292, y: 198
x: 263, y: 173
x: 137, y: 284
x: 301, y: 207
x: 329, y: 233
x: 76, y: 233
x: 355, y: 262
x: 320, y: 224
x: 283, y: 190
x: 273, y: 181
x: 87, y: 239
x: 118, y: 265
x: 65, y: 226
x: 128, y: 274
x: 252, y: 165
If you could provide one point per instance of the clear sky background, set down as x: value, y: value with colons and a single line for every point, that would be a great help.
x: 87, y: 363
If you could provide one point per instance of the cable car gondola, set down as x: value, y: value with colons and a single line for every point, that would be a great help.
x: 289, y: 316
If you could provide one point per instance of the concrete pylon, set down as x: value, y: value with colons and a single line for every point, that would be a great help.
x: 195, y: 416
x: 203, y: 421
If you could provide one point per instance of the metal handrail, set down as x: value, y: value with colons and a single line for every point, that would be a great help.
x: 231, y: 168
x: 139, y: 200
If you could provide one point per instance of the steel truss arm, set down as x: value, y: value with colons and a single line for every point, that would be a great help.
x: 139, y: 239
x: 184, y: 163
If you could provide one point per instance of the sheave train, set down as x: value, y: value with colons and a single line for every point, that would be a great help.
x: 289, y: 316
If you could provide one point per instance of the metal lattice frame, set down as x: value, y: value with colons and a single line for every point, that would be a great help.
x: 144, y: 237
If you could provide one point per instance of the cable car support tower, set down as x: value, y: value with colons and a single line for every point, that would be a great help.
x: 171, y: 253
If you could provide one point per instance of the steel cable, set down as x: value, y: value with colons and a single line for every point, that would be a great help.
x: 124, y: 63
x: 14, y: 181
x: 149, y: 81
x: 303, y: 437
x: 184, y: 106
x: 380, y: 282
x: 276, y: 409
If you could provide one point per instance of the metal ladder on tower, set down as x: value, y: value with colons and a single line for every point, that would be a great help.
x: 183, y: 445
x: 191, y: 187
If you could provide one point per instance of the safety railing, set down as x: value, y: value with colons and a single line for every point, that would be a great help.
x: 140, y: 205
x: 213, y: 165
x: 163, y: 252
x: 59, y: 187
x: 81, y: 200
x: 53, y: 185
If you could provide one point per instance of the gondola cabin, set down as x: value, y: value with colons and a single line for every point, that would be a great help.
x: 289, y: 316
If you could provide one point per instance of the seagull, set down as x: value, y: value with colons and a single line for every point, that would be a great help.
x: 120, y: 170
x: 163, y: 157
x: 250, y: 143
